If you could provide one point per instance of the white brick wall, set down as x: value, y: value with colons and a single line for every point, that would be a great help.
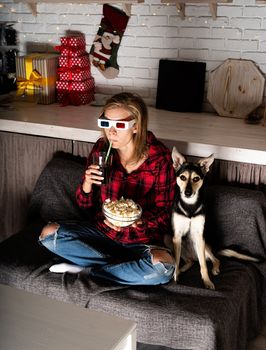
x: 154, y: 31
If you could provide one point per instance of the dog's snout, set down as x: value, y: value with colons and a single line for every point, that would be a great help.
x: 188, y: 190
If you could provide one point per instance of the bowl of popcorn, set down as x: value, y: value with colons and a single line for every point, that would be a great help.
x: 121, y: 212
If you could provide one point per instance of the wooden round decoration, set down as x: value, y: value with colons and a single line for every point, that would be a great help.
x: 236, y: 88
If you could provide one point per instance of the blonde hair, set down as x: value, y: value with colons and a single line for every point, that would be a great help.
x: 137, y: 108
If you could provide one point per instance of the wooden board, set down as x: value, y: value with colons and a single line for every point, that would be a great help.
x: 236, y: 88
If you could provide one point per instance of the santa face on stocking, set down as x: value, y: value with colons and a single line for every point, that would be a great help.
x: 103, y: 53
x: 103, y: 47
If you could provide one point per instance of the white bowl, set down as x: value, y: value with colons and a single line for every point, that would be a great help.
x: 125, y: 218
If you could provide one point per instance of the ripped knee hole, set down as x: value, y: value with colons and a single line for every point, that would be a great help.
x: 49, y: 229
x: 160, y: 255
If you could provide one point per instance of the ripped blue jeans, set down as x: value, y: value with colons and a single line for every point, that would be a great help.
x: 82, y: 244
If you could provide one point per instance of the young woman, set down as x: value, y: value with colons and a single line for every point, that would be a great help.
x: 142, y: 171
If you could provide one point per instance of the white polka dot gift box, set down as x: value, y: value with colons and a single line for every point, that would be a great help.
x: 76, y: 73
x: 75, y: 92
x: 77, y: 41
x: 69, y: 51
x: 67, y: 61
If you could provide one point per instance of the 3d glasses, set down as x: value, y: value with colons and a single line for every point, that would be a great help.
x: 118, y: 124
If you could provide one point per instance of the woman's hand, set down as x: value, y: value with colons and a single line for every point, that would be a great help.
x: 92, y: 176
x: 118, y: 228
x: 109, y: 224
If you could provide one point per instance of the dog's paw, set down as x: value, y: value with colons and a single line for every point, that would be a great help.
x: 215, y: 271
x: 209, y: 285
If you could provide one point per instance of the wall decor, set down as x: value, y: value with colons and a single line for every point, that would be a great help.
x: 236, y: 88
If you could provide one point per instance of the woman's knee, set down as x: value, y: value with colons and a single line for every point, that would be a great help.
x: 49, y: 229
x: 163, y: 256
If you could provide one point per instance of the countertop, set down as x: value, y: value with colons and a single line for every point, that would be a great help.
x: 198, y: 134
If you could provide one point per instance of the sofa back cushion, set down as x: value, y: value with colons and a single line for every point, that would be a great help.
x: 236, y: 217
x: 53, y: 197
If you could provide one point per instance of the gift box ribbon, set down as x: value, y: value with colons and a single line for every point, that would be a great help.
x: 70, y: 71
x: 33, y: 78
x: 29, y: 84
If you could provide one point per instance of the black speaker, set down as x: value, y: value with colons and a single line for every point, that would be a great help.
x: 180, y: 86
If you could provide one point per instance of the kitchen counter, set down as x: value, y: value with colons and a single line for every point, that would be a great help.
x: 197, y: 134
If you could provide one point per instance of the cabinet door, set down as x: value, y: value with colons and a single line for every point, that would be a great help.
x: 22, y: 158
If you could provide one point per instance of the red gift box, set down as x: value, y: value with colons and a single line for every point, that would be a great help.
x: 75, y: 85
x: 72, y: 52
x: 74, y: 41
x: 77, y: 98
x: 75, y: 92
x: 82, y: 61
x: 77, y: 74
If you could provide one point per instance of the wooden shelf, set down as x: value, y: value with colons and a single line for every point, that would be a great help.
x: 126, y: 4
x: 180, y: 4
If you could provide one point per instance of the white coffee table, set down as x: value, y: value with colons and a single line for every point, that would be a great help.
x: 33, y: 322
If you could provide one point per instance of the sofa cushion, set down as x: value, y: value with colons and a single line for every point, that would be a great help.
x: 53, y: 197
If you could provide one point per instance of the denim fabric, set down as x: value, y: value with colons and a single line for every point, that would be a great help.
x: 83, y: 245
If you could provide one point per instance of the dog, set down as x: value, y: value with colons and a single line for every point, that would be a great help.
x: 188, y: 220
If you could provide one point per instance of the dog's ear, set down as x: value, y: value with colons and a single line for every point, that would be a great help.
x: 205, y: 163
x: 178, y: 159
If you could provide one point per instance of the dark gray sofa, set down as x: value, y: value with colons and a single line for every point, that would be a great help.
x: 172, y: 316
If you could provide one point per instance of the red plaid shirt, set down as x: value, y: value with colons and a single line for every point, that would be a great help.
x: 152, y: 186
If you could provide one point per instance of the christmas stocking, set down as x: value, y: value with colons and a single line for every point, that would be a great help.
x: 103, y: 53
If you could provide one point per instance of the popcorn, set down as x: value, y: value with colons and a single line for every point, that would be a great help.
x: 122, y: 212
x: 126, y: 208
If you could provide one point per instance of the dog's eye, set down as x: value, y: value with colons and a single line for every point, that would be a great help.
x: 196, y: 179
x: 183, y: 178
